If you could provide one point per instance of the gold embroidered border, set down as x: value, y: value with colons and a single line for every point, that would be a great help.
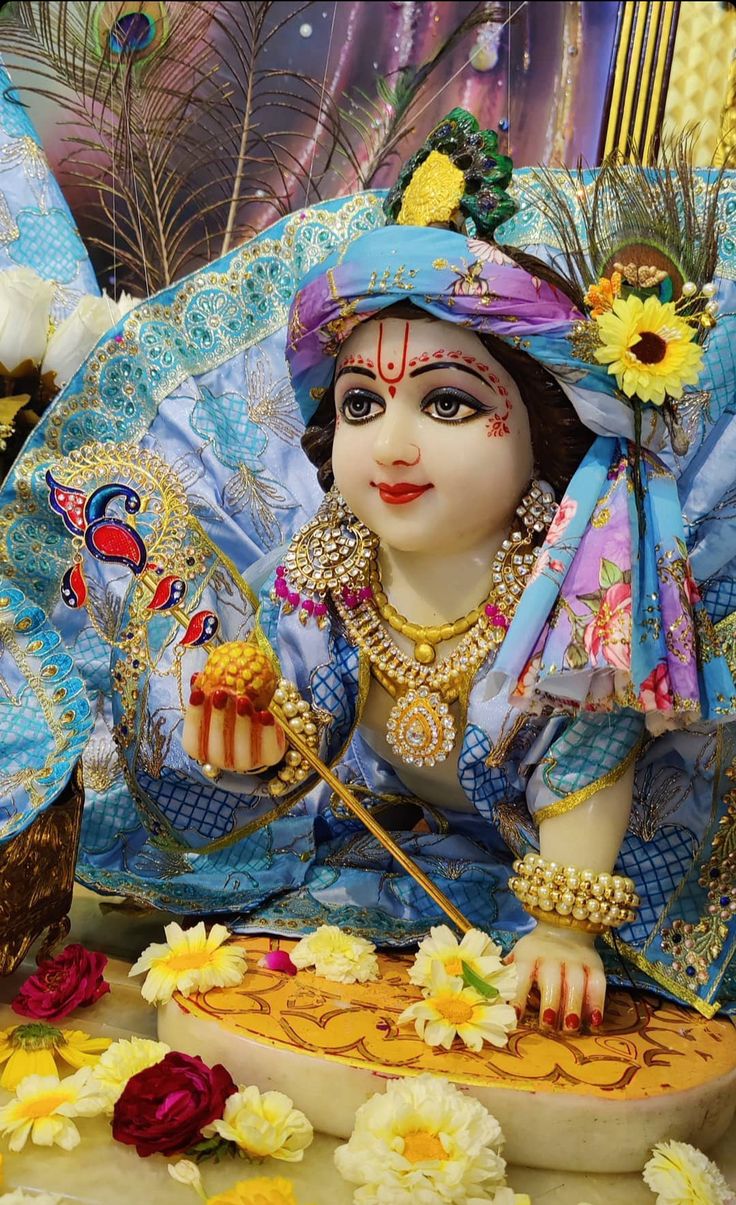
x: 570, y: 802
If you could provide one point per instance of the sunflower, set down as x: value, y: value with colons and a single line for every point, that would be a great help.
x: 35, y: 1049
x: 649, y: 348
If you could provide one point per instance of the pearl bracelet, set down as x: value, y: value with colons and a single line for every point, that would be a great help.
x: 566, y: 895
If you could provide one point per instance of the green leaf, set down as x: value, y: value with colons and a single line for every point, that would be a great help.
x: 609, y: 574
x: 470, y: 979
x: 211, y: 1148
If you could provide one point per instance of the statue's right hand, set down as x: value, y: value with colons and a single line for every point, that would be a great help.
x: 227, y: 723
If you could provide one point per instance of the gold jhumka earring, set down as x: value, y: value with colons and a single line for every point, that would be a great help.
x: 335, y: 556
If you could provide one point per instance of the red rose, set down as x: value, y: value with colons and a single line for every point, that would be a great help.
x: 164, y: 1108
x: 71, y: 980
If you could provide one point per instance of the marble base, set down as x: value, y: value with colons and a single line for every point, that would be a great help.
x: 102, y: 1172
x: 593, y: 1103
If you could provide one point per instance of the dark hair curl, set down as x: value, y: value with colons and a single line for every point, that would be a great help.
x: 559, y: 438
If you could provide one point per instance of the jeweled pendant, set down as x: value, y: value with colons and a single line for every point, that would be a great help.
x: 420, y: 728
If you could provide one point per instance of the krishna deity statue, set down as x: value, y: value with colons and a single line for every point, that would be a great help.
x: 502, y: 631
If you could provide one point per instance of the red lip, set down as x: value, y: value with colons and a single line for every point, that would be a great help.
x: 400, y: 493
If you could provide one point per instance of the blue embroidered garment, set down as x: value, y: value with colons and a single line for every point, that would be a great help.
x: 177, y: 378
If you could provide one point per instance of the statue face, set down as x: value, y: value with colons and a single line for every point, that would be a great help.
x: 432, y: 447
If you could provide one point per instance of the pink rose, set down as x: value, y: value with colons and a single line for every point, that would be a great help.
x: 564, y: 514
x: 609, y: 632
x: 655, y: 693
x: 71, y: 980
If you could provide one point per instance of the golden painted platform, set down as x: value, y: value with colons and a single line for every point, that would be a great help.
x: 592, y: 1102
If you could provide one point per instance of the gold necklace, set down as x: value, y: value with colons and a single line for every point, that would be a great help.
x: 420, y: 728
x: 425, y: 637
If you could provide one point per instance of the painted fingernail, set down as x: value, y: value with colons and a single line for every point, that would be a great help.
x: 196, y: 698
x: 549, y: 1016
x: 596, y: 1018
x: 219, y: 699
x: 265, y: 718
x: 572, y: 1021
x: 244, y: 706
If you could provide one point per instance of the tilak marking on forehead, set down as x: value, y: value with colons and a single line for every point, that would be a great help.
x: 390, y: 367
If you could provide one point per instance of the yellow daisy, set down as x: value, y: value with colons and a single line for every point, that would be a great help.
x: 476, y: 950
x: 191, y: 960
x: 44, y: 1105
x: 648, y: 348
x: 34, y: 1049
x: 450, y: 1010
x: 124, y: 1059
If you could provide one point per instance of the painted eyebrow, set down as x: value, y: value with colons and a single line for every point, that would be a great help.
x: 363, y: 372
x: 451, y: 364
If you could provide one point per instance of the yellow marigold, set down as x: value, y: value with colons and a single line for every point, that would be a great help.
x: 261, y: 1191
x: 37, y: 1049
x: 601, y: 297
x: 124, y: 1059
x: 44, y: 1105
x: 433, y: 193
x: 648, y: 348
x: 190, y: 960
x: 263, y: 1124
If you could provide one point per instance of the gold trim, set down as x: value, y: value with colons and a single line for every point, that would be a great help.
x: 570, y: 802
x: 679, y: 990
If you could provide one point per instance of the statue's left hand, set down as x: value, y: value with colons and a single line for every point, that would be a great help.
x: 568, y: 971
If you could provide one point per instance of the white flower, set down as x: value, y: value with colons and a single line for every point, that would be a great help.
x: 680, y: 1174
x: 422, y: 1142
x: 186, y: 1172
x: 336, y: 955
x: 190, y: 960
x: 74, y: 339
x: 18, y: 1197
x: 263, y: 1124
x: 124, y: 1059
x: 450, y: 1010
x: 476, y: 950
x: 25, y: 301
x: 507, y: 1196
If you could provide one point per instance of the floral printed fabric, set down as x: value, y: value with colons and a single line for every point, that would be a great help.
x: 612, y: 616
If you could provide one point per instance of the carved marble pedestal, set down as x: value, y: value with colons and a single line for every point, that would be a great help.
x: 593, y: 1103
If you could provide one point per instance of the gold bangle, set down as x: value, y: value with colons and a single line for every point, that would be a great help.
x: 579, y: 897
x: 564, y: 922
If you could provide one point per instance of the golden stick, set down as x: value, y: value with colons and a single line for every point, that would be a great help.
x: 365, y: 817
x: 353, y: 805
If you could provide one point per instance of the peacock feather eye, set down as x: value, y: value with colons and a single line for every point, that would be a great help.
x: 131, y: 31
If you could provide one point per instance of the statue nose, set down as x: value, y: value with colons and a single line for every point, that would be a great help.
x: 395, y: 444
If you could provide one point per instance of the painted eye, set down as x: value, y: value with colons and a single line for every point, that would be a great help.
x: 451, y: 405
x: 359, y: 406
